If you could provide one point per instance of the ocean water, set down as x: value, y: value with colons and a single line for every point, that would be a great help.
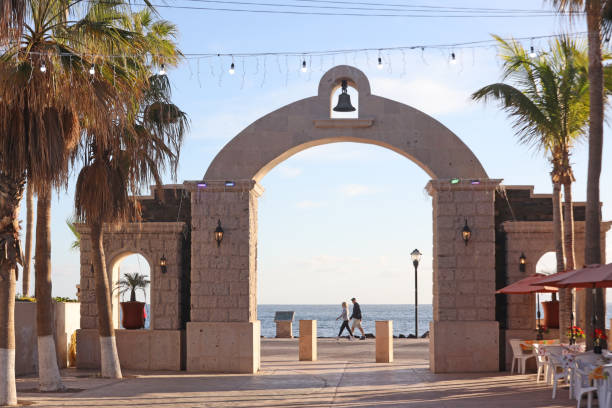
x: 327, y: 326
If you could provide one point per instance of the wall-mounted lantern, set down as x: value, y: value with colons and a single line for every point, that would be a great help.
x: 218, y: 234
x: 522, y: 262
x: 466, y: 233
x: 162, y: 264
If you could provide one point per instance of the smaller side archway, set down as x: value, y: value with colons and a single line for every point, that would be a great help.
x: 159, y: 348
x: 130, y: 262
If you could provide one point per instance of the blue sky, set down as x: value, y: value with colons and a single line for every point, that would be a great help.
x: 340, y: 220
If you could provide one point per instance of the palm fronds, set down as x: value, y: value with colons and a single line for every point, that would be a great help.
x: 132, y: 282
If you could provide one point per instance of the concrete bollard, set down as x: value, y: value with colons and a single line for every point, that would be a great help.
x: 308, y: 340
x: 384, y: 341
x: 284, y: 330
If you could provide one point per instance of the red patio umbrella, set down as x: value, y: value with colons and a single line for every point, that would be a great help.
x: 551, y: 280
x: 591, y: 276
x: 529, y: 285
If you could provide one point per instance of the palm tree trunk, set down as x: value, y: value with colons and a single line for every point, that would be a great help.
x: 11, y: 191
x: 109, y: 358
x: 564, y: 294
x: 25, y: 290
x: 592, y: 252
x: 49, y: 378
x: 568, y: 221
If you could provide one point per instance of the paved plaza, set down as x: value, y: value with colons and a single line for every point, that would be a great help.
x: 344, y: 376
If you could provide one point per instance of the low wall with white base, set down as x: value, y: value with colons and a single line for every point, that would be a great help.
x: 66, y: 321
x: 137, y: 349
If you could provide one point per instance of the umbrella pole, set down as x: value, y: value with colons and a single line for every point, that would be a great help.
x: 539, y: 335
x: 572, y: 339
x: 594, y: 293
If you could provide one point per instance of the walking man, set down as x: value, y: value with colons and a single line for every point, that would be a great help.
x: 356, y: 317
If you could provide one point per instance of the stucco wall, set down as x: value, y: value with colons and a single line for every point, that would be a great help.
x: 66, y: 321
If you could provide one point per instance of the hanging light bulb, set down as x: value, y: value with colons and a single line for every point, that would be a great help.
x: 453, y: 59
x: 92, y: 70
x: 43, y: 68
x: 380, y: 64
x: 162, y: 70
x: 532, y: 53
x: 232, y: 69
x: 304, y: 68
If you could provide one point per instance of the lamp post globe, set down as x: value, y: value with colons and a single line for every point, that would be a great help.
x: 416, y: 258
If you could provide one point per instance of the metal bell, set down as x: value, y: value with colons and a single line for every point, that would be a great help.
x: 344, y: 100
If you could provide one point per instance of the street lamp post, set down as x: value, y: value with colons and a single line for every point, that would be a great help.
x: 416, y: 257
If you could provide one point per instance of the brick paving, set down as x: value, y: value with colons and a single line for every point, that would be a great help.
x: 345, y: 376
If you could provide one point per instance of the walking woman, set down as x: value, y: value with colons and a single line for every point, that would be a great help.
x: 345, y: 321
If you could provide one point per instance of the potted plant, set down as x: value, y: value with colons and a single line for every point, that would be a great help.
x: 133, y: 312
x: 575, y: 332
x: 599, y: 337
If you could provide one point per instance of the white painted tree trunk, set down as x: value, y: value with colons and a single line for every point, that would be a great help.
x: 49, y: 378
x: 8, y: 391
x: 109, y: 358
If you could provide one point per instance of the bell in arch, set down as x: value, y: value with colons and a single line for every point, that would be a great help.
x: 344, y: 100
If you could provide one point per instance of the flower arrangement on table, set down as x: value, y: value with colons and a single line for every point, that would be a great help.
x: 600, y: 335
x: 575, y: 332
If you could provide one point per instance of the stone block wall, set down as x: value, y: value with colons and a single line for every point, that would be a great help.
x: 152, y: 241
x: 223, y: 278
x: 464, y: 275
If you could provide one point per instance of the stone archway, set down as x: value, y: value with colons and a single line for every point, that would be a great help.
x: 223, y: 334
x: 306, y: 123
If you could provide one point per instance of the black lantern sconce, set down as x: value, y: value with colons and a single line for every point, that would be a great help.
x: 466, y: 233
x: 162, y: 264
x: 218, y: 234
x: 522, y: 262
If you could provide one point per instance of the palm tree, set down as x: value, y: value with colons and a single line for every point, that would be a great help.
x: 46, y: 94
x: 131, y: 282
x: 12, y: 16
x: 25, y: 279
x: 76, y: 244
x: 592, y: 253
x: 108, y: 177
x: 147, y: 147
x: 550, y: 108
x: 11, y: 191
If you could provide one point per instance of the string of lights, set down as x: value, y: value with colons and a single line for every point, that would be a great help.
x: 343, y: 5
x: 420, y: 47
x: 413, y: 14
x: 302, y: 61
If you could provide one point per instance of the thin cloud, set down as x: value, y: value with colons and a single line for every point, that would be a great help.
x: 353, y: 190
x: 426, y: 95
x: 307, y: 204
x: 288, y: 172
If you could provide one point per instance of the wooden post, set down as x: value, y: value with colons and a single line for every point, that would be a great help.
x: 384, y: 341
x: 308, y: 340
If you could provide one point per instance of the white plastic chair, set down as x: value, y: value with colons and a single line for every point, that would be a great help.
x: 519, y: 355
x: 548, y: 349
x: 540, y: 355
x: 559, y: 370
x: 582, y: 384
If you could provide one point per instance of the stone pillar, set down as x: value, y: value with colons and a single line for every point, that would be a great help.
x: 223, y: 278
x: 464, y: 336
x: 384, y: 341
x: 284, y: 329
x: 308, y: 340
